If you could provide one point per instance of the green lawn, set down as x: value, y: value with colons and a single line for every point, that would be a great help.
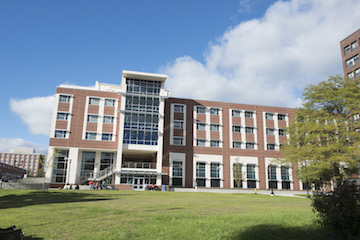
x: 70, y: 214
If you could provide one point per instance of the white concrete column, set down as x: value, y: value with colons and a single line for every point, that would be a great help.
x: 97, y: 163
x: 73, y: 165
x: 49, y: 165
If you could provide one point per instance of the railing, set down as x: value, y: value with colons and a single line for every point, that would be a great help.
x: 143, y: 165
x: 105, y: 171
x: 99, y: 175
x: 86, y: 176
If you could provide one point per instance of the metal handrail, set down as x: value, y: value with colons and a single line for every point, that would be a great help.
x: 105, y: 171
x: 143, y: 165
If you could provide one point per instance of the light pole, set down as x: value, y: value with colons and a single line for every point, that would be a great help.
x: 307, y: 182
x: 68, y: 179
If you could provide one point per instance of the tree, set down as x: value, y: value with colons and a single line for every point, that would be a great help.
x: 237, y: 174
x: 324, y: 138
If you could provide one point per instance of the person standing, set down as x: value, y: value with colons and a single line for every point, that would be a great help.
x: 91, y: 184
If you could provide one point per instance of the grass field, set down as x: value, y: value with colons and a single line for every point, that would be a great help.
x: 70, y: 214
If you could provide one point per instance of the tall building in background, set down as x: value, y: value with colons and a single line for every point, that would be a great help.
x: 350, y: 52
x: 134, y: 134
x: 25, y: 158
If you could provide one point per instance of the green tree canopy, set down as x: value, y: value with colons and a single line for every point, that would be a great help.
x: 324, y: 135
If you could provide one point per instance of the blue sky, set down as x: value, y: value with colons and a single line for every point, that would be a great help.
x: 224, y: 50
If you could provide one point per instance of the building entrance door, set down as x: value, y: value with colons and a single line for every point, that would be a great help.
x: 139, y: 184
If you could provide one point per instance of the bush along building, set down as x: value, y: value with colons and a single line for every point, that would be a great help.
x: 134, y: 134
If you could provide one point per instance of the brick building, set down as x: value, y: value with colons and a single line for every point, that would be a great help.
x: 350, y: 52
x: 134, y: 134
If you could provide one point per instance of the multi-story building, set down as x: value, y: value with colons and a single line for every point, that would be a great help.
x: 24, y: 158
x: 350, y: 52
x: 134, y: 134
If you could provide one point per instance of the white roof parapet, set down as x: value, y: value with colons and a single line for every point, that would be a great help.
x: 144, y: 76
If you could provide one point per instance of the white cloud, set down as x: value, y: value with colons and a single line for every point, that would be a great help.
x: 35, y: 113
x: 8, y: 144
x: 268, y: 61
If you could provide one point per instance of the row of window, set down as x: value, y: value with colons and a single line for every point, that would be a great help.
x: 88, y: 135
x: 94, y: 119
x: 146, y: 87
x: 96, y: 101
x: 352, y: 61
x: 202, y: 110
x: 214, y: 170
x: 248, y: 114
x: 353, y: 46
x: 248, y: 145
x: 354, y: 74
x: 271, y: 131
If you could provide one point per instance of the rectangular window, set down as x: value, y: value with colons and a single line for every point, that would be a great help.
x: 215, y: 170
x: 250, y: 145
x: 285, y: 173
x: 236, y: 144
x: 271, y: 172
x: 200, y: 126
x: 236, y: 128
x: 214, y: 111
x: 282, y: 132
x: 350, y: 75
x: 200, y: 170
x: 270, y: 131
x: 357, y: 73
x: 236, y: 113
x: 107, y: 159
x: 354, y: 45
x: 281, y: 117
x: 177, y: 169
x: 250, y: 171
x: 64, y: 98
x: 106, y: 137
x: 62, y: 116
x: 214, y: 127
x: 200, y: 110
x: 179, y: 108
x: 270, y: 146
x: 178, y: 124
x: 94, y: 101
x: 269, y: 116
x: 109, y: 102
x: 200, y: 142
x: 352, y: 61
x: 214, y: 143
x: 347, y: 49
x: 249, y: 129
x: 108, y: 119
x: 60, y: 133
x: 249, y: 114
x: 87, y: 163
x: 92, y: 118
x: 90, y: 136
x: 178, y: 141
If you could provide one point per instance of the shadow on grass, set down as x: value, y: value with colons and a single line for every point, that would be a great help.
x: 274, y: 232
x: 32, y: 238
x: 46, y: 197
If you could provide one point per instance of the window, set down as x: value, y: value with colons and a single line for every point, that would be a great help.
x: 200, y: 110
x: 272, y: 177
x: 106, y: 137
x: 200, y: 126
x: 94, y: 101
x: 200, y: 170
x: 177, y: 173
x: 236, y: 128
x: 250, y: 145
x: 214, y: 143
x: 347, y: 49
x: 236, y: 144
x: 178, y: 124
x: 270, y: 131
x: 178, y: 108
x: 350, y: 75
x: 236, y: 113
x: 87, y: 163
x: 357, y: 73
x: 270, y: 146
x: 109, y: 102
x: 354, y: 45
x: 62, y: 116
x: 60, y: 133
x: 107, y: 159
x: 214, y: 127
x: 352, y: 61
x: 282, y: 132
x: 92, y: 118
x: 285, y: 173
x: 249, y: 114
x: 64, y: 98
x: 178, y: 141
x: 250, y: 171
x: 269, y: 116
x: 108, y: 119
x: 215, y: 170
x: 214, y: 111
x: 249, y: 129
x: 200, y: 142
x: 90, y: 136
x: 281, y: 117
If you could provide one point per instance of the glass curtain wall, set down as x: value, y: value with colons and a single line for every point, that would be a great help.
x: 60, y: 166
x: 141, y: 123
x: 87, y: 163
x: 107, y: 159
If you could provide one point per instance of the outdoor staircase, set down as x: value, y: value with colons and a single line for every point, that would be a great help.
x: 99, y: 176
